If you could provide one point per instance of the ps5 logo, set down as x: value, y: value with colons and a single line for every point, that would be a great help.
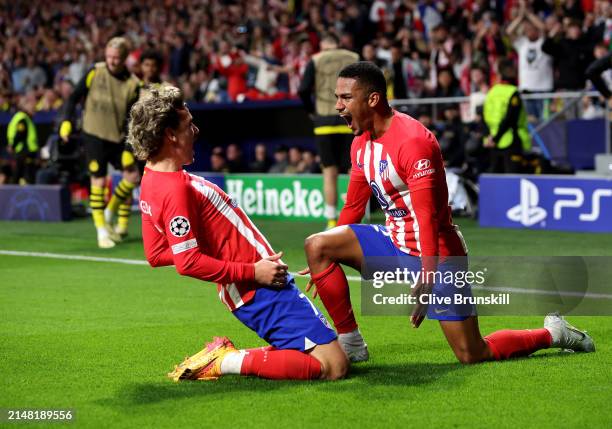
x: 527, y: 211
x: 577, y: 199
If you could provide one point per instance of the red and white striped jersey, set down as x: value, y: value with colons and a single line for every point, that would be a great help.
x: 394, y: 168
x: 191, y: 223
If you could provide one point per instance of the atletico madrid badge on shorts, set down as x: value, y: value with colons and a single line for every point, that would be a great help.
x: 179, y: 226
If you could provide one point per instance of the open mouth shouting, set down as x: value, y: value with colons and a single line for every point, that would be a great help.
x: 348, y: 118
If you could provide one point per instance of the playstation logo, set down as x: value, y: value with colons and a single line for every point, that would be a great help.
x: 527, y: 211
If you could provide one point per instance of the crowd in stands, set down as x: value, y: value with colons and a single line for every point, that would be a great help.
x: 232, y: 50
x: 236, y: 50
x: 285, y: 160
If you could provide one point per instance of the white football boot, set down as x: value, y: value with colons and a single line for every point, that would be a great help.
x: 354, y: 346
x: 105, y: 240
x: 565, y: 336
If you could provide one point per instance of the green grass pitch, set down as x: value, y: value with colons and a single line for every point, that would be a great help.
x: 99, y: 337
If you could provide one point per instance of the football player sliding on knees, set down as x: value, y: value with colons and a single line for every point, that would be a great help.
x: 396, y: 159
x: 192, y: 224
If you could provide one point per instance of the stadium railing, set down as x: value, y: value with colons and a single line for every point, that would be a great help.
x: 562, y: 106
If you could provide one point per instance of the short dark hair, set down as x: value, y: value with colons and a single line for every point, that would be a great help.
x: 330, y: 38
x: 368, y: 75
x: 281, y: 148
x: 507, y: 69
x: 152, y: 54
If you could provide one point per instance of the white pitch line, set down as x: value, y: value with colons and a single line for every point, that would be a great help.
x: 63, y: 256
x: 73, y: 257
x: 571, y: 294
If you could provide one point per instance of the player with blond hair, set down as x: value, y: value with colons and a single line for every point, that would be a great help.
x: 192, y: 224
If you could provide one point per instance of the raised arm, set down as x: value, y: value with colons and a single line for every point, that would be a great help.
x: 307, y: 87
x: 514, y: 25
x: 594, y: 71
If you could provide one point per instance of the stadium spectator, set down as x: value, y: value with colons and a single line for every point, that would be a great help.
x: 32, y: 76
x: 235, y: 161
x: 488, y: 46
x: 151, y: 65
x: 572, y: 53
x: 22, y: 139
x: 399, y: 68
x: 218, y: 162
x: 599, y: 72
x: 267, y: 72
x: 190, y: 36
x: 415, y: 41
x: 311, y: 162
x: 448, y: 85
x: 230, y: 64
x: 451, y: 137
x: 280, y: 160
x: 179, y: 55
x: 479, y: 86
x: 535, y: 68
x: 294, y: 161
x: 262, y: 163
x: 50, y: 100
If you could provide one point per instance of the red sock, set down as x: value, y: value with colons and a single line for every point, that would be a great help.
x: 281, y: 365
x: 507, y: 344
x: 333, y: 289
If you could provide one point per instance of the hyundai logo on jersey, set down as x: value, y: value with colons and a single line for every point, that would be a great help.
x: 565, y: 203
x: 422, y: 164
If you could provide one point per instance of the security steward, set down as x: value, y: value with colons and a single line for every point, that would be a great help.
x: 109, y: 90
x: 23, y: 142
x: 506, y: 120
x: 332, y: 135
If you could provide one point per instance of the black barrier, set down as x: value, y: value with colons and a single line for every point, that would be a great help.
x: 44, y: 203
x: 221, y: 123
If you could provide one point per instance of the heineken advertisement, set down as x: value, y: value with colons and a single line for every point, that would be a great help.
x: 298, y: 197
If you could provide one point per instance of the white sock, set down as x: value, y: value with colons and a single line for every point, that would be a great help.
x: 555, y: 337
x: 102, y: 232
x: 330, y: 212
x: 108, y: 215
x: 232, y: 362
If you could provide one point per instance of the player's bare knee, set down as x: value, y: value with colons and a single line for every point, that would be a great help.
x: 314, y: 245
x: 468, y: 356
x: 336, y: 369
x: 334, y: 362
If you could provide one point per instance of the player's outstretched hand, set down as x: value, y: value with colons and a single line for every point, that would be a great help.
x: 271, y: 271
x: 420, y: 310
x: 305, y: 272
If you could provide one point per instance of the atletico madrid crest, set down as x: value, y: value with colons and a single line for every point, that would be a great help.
x: 383, y: 169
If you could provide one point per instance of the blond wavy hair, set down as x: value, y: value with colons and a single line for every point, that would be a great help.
x: 150, y: 116
x: 121, y: 44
